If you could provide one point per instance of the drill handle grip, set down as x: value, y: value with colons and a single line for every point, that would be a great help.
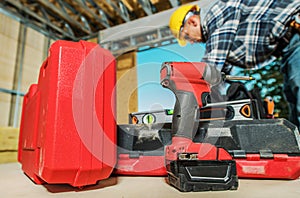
x: 186, y: 115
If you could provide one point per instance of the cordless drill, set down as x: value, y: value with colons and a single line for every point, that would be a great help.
x: 194, y: 166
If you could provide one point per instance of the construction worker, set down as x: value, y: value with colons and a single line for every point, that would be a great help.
x: 246, y: 34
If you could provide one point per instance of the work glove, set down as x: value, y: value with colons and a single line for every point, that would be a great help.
x: 212, y: 75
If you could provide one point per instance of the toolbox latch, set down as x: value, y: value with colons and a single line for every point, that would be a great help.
x: 266, y: 154
x: 134, y: 155
x: 239, y: 153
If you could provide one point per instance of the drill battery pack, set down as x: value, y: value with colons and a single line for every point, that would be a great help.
x: 203, y: 175
x: 68, y: 117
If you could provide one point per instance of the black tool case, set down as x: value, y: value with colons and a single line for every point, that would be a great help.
x: 265, y: 148
x: 260, y: 148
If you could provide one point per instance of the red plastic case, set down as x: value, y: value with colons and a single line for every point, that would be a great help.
x: 68, y: 129
x: 141, y: 165
x: 281, y: 166
x: 262, y: 148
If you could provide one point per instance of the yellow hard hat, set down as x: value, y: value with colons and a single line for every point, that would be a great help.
x: 177, y: 18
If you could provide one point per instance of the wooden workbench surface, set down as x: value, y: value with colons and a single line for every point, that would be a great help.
x: 13, y: 183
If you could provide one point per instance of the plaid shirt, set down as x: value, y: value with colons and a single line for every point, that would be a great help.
x: 245, y: 33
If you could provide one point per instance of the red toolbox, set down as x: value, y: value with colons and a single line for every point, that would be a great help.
x: 68, y: 127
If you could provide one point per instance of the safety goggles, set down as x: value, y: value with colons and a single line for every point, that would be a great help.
x: 187, y: 16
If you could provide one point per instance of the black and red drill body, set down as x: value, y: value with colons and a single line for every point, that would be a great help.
x: 186, y: 81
